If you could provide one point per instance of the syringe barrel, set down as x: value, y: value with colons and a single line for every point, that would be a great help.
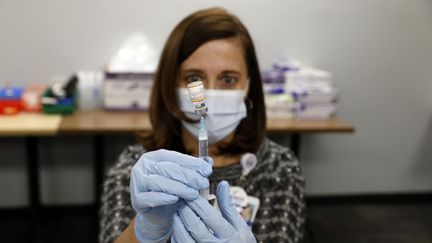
x: 203, y: 148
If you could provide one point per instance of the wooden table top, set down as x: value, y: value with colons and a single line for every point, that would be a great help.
x: 292, y: 125
x: 105, y: 122
x: 29, y: 124
x: 112, y: 122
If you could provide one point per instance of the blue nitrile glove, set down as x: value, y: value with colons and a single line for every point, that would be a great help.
x: 158, y: 180
x: 198, y: 221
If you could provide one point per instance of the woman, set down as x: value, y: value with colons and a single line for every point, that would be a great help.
x: 213, y: 46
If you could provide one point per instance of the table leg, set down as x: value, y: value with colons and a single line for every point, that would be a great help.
x: 32, y: 166
x: 295, y: 144
x: 32, y: 160
x: 99, y: 159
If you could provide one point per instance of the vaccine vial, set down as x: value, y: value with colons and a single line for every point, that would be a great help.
x: 198, y: 97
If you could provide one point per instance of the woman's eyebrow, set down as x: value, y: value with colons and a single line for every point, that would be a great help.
x: 192, y: 70
x: 231, y: 72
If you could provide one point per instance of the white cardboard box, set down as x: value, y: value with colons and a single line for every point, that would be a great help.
x: 127, y: 91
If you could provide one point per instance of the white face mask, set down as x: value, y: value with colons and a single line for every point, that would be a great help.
x: 226, y: 108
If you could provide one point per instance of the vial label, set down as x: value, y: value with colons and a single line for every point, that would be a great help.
x: 197, y: 95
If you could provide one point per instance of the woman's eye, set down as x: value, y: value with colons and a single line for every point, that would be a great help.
x: 229, y: 80
x: 193, y: 78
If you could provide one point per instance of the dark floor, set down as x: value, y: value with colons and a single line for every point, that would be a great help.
x: 71, y: 224
x: 371, y: 223
x: 328, y: 222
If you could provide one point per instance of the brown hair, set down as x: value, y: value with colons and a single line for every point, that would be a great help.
x: 165, y: 115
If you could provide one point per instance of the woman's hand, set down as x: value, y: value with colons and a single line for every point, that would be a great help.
x: 158, y: 180
x: 198, y: 221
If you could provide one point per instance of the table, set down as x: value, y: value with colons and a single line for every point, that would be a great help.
x: 297, y: 127
x: 100, y: 123
x: 31, y: 126
x: 115, y: 122
x: 103, y: 122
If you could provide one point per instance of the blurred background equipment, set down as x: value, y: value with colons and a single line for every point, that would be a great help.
x: 295, y: 90
x: 10, y: 99
x: 127, y: 91
x: 129, y: 75
x: 32, y: 97
x: 137, y: 55
x: 59, y: 98
x: 90, y: 90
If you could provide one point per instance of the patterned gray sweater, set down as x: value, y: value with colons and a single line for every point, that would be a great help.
x: 276, y: 180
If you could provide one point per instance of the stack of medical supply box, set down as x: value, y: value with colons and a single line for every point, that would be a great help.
x: 127, y: 91
x: 10, y: 100
x: 129, y: 75
x: 294, y: 90
x: 278, y: 102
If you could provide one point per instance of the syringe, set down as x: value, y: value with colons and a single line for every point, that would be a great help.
x: 198, y: 97
x: 203, y: 151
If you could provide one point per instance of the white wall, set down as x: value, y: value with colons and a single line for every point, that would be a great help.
x: 380, y: 53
